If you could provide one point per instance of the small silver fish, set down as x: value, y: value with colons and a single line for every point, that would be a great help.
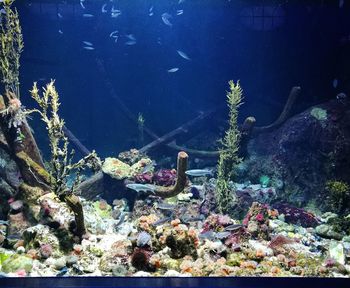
x: 130, y: 42
x: 198, y: 172
x: 179, y: 12
x: 82, y: 4
x: 59, y: 15
x: 335, y: 83
x: 141, y: 187
x: 187, y: 219
x: 222, y: 235
x: 165, y: 18
x: 210, y: 235
x: 165, y: 206
x: 150, y: 11
x: 121, y: 219
x: 233, y: 227
x: 87, y: 43
x: 183, y: 55
x: 103, y: 9
x: 113, y: 33
x: 60, y: 31
x: 172, y: 70
x: 130, y: 36
x: 88, y: 48
x: 161, y: 221
x: 86, y: 15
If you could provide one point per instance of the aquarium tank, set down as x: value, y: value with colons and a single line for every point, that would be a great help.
x: 174, y: 138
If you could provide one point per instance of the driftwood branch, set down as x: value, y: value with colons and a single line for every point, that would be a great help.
x: 75, y: 141
x: 246, y: 133
x: 182, y: 129
x: 181, y: 179
x: 293, y: 95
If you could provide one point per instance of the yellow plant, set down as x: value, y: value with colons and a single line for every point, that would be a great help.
x: 61, y: 162
x: 229, y: 152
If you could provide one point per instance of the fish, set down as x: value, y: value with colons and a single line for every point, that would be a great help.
x: 165, y: 17
x: 150, y: 11
x: 87, y: 43
x: 60, y: 31
x: 130, y: 42
x: 103, y: 8
x: 131, y: 36
x: 335, y: 83
x: 141, y: 187
x: 183, y: 55
x: 210, y: 235
x: 121, y: 219
x: 165, y: 206
x: 82, y: 4
x: 222, y: 235
x: 233, y: 227
x: 59, y: 15
x: 179, y: 12
x: 113, y: 33
x: 4, y: 222
x: 88, y: 48
x: 198, y: 172
x: 172, y: 70
x: 161, y: 221
x: 115, y: 10
x: 187, y: 219
x: 87, y: 15
x: 115, y: 14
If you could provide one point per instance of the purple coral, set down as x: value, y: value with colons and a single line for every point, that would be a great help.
x: 296, y: 215
x: 165, y: 177
x: 45, y: 251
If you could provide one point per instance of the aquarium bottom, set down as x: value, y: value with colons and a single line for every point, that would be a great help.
x: 203, y: 282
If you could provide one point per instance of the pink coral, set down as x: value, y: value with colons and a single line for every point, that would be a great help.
x: 259, y: 217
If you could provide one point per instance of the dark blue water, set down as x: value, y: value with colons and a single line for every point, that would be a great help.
x: 269, y: 45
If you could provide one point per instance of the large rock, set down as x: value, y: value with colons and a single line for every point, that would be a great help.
x: 308, y: 150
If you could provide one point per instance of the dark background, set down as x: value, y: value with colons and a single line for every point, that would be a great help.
x: 269, y: 45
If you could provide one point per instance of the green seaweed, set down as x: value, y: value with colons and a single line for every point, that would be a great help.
x: 229, y: 158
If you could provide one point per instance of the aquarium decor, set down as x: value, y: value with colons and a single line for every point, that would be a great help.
x: 132, y: 162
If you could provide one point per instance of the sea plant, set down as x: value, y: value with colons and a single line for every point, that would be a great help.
x: 339, y: 195
x: 11, y: 46
x: 61, y: 163
x: 229, y: 158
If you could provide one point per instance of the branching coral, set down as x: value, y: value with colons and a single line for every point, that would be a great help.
x: 11, y: 46
x: 61, y: 162
x: 229, y: 152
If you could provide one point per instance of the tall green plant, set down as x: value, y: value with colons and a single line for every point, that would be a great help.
x: 229, y: 151
x: 11, y: 47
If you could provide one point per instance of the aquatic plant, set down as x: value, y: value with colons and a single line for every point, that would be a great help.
x: 61, y: 162
x: 11, y: 46
x: 339, y: 195
x: 229, y: 152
